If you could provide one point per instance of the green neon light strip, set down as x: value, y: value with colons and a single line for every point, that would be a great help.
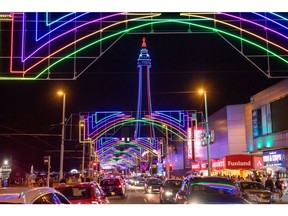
x: 151, y: 22
x: 148, y: 121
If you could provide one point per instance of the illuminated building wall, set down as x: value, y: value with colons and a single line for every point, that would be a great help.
x: 229, y: 129
x: 240, y: 130
x: 272, y: 127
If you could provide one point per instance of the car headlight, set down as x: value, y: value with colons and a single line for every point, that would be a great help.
x: 168, y: 193
x: 253, y: 197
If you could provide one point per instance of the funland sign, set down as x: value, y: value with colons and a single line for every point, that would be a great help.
x: 244, y: 162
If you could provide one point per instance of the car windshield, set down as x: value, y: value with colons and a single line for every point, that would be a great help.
x: 173, y: 184
x: 252, y: 185
x: 109, y: 182
x: 154, y: 181
x: 76, y: 192
x: 213, y: 188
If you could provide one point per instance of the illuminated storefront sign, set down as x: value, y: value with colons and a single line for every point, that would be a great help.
x: 258, y: 162
x: 189, y: 143
x: 218, y: 164
x: 195, y: 166
x: 239, y: 162
x: 274, y: 158
x: 204, y: 165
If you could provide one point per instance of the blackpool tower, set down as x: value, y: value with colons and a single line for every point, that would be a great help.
x: 144, y: 105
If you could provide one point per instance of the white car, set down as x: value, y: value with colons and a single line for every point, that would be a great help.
x: 37, y: 195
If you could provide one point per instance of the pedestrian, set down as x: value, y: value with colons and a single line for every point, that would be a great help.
x: 263, y: 180
x: 269, y: 184
x: 258, y: 178
x: 278, y: 185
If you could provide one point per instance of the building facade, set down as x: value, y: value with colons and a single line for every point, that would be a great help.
x: 258, y: 128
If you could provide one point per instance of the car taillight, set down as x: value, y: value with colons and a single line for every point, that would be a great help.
x: 94, y: 202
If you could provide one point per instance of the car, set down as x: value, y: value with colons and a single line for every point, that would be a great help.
x: 28, y: 195
x: 255, y: 192
x: 169, y: 189
x: 209, y: 190
x: 152, y: 185
x: 83, y: 193
x: 113, y: 187
x: 139, y: 181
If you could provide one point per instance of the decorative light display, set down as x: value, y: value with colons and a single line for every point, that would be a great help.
x: 41, y: 43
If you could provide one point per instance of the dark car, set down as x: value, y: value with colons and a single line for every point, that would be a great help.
x: 169, y: 189
x: 152, y: 185
x: 255, y: 192
x: 113, y: 187
x: 208, y: 190
x: 83, y: 193
x: 139, y: 181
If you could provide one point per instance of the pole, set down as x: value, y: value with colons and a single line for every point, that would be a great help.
x: 48, y: 173
x: 62, y: 138
x: 83, y: 160
x: 167, y: 154
x: 207, y: 135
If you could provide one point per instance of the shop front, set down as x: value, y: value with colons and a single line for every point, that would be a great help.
x: 231, y: 165
x: 275, y: 164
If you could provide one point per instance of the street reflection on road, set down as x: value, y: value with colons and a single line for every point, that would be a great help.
x: 135, y: 195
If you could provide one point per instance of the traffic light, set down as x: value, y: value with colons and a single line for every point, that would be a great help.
x: 94, y: 165
x: 164, y: 167
x: 170, y: 167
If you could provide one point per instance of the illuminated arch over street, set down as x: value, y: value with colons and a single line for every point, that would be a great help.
x: 104, y: 131
x: 58, y: 45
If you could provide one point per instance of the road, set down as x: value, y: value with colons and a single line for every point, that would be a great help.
x: 135, y: 195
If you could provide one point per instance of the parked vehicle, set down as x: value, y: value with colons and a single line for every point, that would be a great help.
x: 83, y: 193
x: 27, y: 195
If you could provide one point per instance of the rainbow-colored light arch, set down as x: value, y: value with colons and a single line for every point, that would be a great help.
x: 41, y: 43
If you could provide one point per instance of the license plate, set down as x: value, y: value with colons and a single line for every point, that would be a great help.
x: 112, y: 193
x: 264, y: 200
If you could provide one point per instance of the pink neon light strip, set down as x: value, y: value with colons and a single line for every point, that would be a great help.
x: 76, y: 41
x: 254, y: 23
x: 248, y: 32
x: 11, y: 66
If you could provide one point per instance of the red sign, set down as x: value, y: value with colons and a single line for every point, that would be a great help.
x: 239, y: 162
x: 258, y: 162
x: 204, y: 165
x: 218, y: 164
x: 189, y: 143
x: 195, y: 166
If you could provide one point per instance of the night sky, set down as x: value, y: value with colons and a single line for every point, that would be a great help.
x: 180, y: 63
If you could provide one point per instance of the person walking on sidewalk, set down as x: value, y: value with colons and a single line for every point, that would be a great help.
x: 279, y: 188
x: 269, y: 184
x: 263, y: 179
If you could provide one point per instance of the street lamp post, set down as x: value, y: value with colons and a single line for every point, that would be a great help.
x: 207, y: 132
x: 63, y: 136
x: 167, y: 154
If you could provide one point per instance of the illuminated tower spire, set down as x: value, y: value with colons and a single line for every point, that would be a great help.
x: 144, y: 95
